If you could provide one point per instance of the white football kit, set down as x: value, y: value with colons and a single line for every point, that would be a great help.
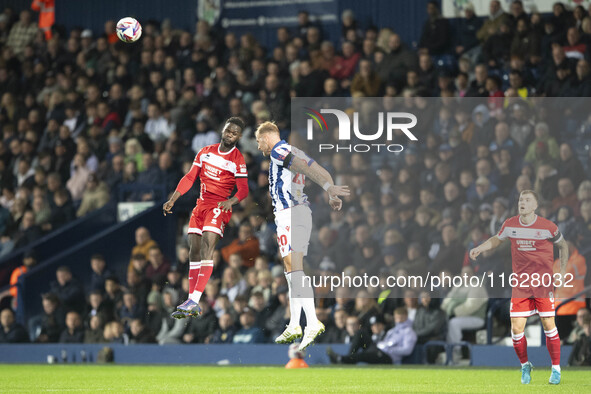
x: 293, y: 216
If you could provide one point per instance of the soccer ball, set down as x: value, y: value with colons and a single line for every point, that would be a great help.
x: 129, y: 30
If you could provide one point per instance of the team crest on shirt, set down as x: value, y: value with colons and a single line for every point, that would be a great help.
x: 538, y: 234
x: 282, y: 153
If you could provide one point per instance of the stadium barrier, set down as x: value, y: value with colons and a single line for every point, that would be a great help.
x: 53, y: 243
x: 231, y: 354
x: 114, y: 243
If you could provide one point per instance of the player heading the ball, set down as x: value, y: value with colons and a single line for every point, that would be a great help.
x: 220, y: 167
x: 532, y: 241
x: 287, y: 176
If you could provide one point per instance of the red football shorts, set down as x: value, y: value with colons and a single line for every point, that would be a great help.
x: 207, y: 216
x: 525, y: 307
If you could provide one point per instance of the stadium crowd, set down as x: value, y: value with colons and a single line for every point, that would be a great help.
x: 83, y: 115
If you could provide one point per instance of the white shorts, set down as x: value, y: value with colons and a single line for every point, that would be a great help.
x: 294, y: 227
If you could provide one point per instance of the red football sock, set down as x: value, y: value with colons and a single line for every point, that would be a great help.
x: 204, y: 275
x: 553, y: 345
x: 194, y: 267
x: 520, y: 346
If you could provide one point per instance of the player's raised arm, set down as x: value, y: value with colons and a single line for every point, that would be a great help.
x: 320, y: 176
x: 490, y: 244
x: 184, y: 185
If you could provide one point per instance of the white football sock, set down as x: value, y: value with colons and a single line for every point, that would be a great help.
x: 295, y: 307
x: 556, y: 367
x: 305, y: 293
x: 195, y: 296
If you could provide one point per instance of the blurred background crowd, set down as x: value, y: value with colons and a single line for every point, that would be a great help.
x: 86, y: 120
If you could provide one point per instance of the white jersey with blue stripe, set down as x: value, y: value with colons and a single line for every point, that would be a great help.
x: 286, y: 188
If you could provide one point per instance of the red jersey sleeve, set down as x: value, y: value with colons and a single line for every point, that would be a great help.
x: 241, y: 178
x: 188, y: 180
x: 240, y: 167
x: 556, y: 235
x: 502, y: 234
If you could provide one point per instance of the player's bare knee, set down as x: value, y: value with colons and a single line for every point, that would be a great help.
x: 548, y: 323
x: 517, y: 327
x: 207, y: 246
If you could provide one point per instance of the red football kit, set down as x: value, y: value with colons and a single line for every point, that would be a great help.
x: 219, y: 172
x: 533, y: 259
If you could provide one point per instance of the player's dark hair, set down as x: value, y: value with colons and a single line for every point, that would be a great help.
x: 533, y: 193
x: 237, y: 121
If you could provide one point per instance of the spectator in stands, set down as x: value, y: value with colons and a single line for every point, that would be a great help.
x: 140, y: 333
x: 397, y: 343
x: 249, y: 333
x: 74, y: 332
x: 491, y: 25
x: 577, y: 328
x: 567, y: 196
x: 448, y: 251
x: 10, y: 330
x: 158, y: 265
x: 435, y: 34
x: 468, y: 27
x: 29, y: 261
x: 113, y: 292
x: 139, y: 263
x: 466, y: 308
x: 63, y: 211
x: 366, y: 81
x: 580, y: 84
x: 79, y: 179
x: 143, y: 243
x: 27, y: 232
x: 430, y: 321
x: 131, y: 309
x: 22, y: 33
x: 52, y: 321
x: 172, y: 329
x: 94, y: 332
x: 95, y: 196
x: 99, y: 304
x: 568, y: 313
x: 225, y: 332
x: 246, y: 245
x: 99, y: 272
x: 69, y: 290
x: 115, y: 333
x: 581, y: 351
x: 201, y: 329
x: 337, y: 332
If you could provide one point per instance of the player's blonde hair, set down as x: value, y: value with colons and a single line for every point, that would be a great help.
x: 533, y: 193
x: 267, y: 127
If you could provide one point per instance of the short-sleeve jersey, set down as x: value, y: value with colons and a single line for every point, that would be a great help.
x: 218, y: 171
x: 531, y: 245
x: 286, y: 188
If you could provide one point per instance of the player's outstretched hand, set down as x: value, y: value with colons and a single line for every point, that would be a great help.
x: 474, y: 253
x: 226, y: 206
x: 167, y: 207
x: 336, y: 191
x: 335, y: 203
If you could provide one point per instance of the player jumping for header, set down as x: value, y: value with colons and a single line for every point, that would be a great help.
x: 532, y: 239
x: 289, y: 167
x: 219, y: 167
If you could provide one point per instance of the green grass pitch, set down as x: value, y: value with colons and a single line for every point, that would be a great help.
x: 144, y: 378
